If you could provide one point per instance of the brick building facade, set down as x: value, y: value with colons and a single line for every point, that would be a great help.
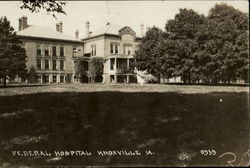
x: 116, y: 45
x: 50, y: 52
x: 54, y: 54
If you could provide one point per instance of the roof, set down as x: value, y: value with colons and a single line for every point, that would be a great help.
x: 45, y: 32
x: 110, y: 28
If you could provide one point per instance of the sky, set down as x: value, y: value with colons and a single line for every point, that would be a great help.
x: 123, y: 13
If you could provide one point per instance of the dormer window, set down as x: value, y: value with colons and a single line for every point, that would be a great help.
x: 93, y: 50
x: 114, y: 48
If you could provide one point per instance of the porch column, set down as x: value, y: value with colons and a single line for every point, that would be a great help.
x: 115, y: 78
x: 115, y: 70
x: 41, y: 78
x: 115, y: 64
x: 127, y: 78
x: 128, y: 63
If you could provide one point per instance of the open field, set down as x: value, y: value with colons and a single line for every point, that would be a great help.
x: 58, y: 88
x: 175, y: 122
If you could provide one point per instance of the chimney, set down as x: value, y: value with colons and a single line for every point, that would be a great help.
x: 20, y: 24
x: 24, y: 22
x: 87, y: 29
x: 77, y: 34
x: 57, y: 27
x: 61, y: 26
x: 142, y: 30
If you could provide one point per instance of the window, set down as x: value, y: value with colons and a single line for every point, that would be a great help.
x: 61, y: 79
x: 39, y: 78
x: 127, y: 49
x: 61, y: 51
x: 93, y: 50
x: 54, y: 79
x: 74, y: 49
x: 61, y: 65
x: 112, y: 63
x: 112, y: 78
x: 39, y: 49
x: 46, y: 79
x: 46, y: 64
x: 111, y: 49
x: 114, y: 48
x: 46, y: 50
x: 54, y: 50
x: 54, y: 64
x: 39, y: 64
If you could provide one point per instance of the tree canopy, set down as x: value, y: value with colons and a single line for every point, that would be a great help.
x: 12, y: 54
x: 50, y: 6
x: 149, y: 54
x: 208, y: 49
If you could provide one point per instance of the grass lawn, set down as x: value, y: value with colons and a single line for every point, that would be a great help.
x: 175, y: 122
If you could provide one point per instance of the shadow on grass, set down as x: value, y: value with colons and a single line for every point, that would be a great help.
x: 211, y: 84
x: 21, y: 85
x: 170, y: 124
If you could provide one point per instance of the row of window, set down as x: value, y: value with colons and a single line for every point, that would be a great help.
x: 47, y: 64
x: 45, y: 79
x: 114, y: 49
x: 49, y: 50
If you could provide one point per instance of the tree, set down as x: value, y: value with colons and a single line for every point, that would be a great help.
x: 12, y: 55
x: 80, y: 68
x: 50, y: 6
x: 32, y: 75
x: 96, y: 69
x: 182, y: 32
x: 227, y: 42
x: 148, y: 56
x: 208, y: 49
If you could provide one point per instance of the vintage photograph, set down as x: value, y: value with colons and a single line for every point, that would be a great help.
x: 124, y: 83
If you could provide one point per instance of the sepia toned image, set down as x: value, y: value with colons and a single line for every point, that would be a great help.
x: 124, y: 83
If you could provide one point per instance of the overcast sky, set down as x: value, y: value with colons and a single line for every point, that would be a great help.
x: 124, y: 13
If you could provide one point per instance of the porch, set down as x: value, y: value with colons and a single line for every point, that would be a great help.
x: 118, y: 69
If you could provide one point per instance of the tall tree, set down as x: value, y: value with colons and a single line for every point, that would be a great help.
x: 12, y: 55
x: 148, y: 56
x: 227, y: 42
x: 182, y: 32
x: 198, y: 48
x: 32, y: 75
x: 96, y: 69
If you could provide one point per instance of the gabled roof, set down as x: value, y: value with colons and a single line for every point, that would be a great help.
x: 45, y: 32
x: 111, y: 29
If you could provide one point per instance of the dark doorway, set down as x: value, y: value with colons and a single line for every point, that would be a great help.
x: 84, y: 79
